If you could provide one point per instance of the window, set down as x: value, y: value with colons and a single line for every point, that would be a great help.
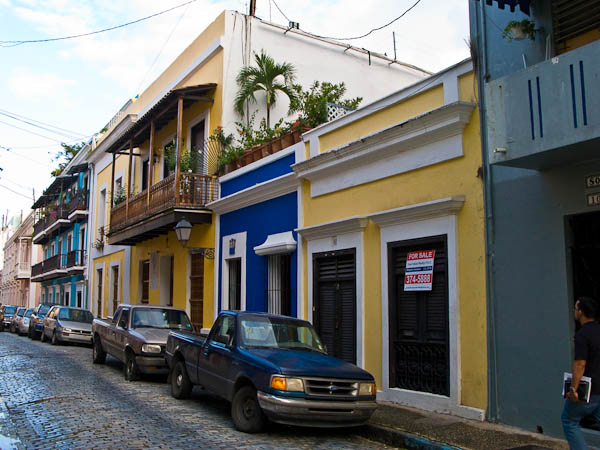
x: 102, y: 209
x: 278, y: 284
x: 197, y: 289
x: 79, y: 299
x: 67, y: 298
x: 115, y: 287
x: 144, y: 174
x: 197, y: 144
x: 145, y: 279
x: 235, y: 283
x: 124, y: 319
x: 224, y: 331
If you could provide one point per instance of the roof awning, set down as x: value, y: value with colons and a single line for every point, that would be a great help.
x: 78, y: 168
x: 523, y: 4
x: 277, y: 244
x: 60, y: 184
x: 162, y: 112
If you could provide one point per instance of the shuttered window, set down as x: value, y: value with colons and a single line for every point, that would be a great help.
x: 235, y: 283
x: 335, y: 302
x: 278, y: 284
x: 115, y: 287
x: 419, y: 348
x: 573, y: 18
x: 196, y: 289
x: 145, y: 281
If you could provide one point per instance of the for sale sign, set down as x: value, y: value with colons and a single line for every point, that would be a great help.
x: 419, y: 271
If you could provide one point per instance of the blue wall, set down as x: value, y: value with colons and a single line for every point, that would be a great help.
x: 259, y: 175
x: 273, y: 216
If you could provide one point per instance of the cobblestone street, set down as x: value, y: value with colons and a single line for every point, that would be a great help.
x: 53, y: 397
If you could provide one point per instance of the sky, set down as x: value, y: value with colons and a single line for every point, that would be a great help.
x: 73, y: 87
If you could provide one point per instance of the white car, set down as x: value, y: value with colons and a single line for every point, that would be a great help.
x: 23, y: 322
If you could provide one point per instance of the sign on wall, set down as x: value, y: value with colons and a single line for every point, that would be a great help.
x: 419, y: 270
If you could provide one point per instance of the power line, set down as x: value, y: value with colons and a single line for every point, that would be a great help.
x: 27, y: 188
x: 15, y: 43
x: 58, y: 133
x: 279, y: 9
x: 39, y: 121
x: 373, y: 30
x: 24, y: 157
x: 15, y: 192
x: 29, y: 131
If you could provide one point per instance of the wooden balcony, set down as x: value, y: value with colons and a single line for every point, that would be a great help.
x: 154, y: 212
x: 78, y: 206
x: 49, y: 269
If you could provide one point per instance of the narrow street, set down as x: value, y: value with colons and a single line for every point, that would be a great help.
x: 53, y: 397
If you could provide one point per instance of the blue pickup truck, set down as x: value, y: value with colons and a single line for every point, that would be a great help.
x: 270, y: 367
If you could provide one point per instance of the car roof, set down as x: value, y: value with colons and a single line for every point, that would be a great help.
x: 148, y: 306
x: 261, y: 314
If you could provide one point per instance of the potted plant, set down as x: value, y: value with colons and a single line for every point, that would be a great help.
x: 519, y: 30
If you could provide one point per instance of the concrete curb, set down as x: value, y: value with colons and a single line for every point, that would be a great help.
x: 397, y: 438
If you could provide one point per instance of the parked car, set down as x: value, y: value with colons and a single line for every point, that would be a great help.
x: 67, y: 324
x: 23, y: 323
x: 270, y: 367
x: 8, y: 312
x: 36, y: 321
x: 14, y: 322
x: 137, y: 335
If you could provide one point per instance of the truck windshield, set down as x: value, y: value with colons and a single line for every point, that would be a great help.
x: 270, y: 332
x: 28, y: 312
x: 9, y: 310
x: 43, y: 310
x: 75, y: 315
x: 159, y: 318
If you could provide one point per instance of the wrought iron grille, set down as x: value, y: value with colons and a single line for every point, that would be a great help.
x: 421, y: 367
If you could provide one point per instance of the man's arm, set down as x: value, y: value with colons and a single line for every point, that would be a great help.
x: 578, y: 370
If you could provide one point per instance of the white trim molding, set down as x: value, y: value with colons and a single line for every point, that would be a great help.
x: 240, y: 252
x: 267, y: 190
x: 412, y: 222
x: 421, y: 141
x: 419, y: 211
x: 334, y: 228
x: 276, y: 244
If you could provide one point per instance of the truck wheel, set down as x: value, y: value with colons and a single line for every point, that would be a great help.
x: 98, y: 354
x: 246, y: 412
x: 132, y: 373
x: 181, y: 386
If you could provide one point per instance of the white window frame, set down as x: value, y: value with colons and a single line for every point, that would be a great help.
x: 240, y: 252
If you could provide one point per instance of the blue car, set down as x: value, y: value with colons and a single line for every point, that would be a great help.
x: 270, y: 368
x: 36, y: 321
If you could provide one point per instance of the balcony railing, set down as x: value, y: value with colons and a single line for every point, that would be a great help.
x: 78, y: 202
x: 39, y: 226
x: 76, y: 258
x: 54, y: 263
x: 536, y: 117
x: 195, y: 191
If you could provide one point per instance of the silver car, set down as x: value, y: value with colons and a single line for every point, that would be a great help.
x: 23, y: 322
x: 67, y: 324
x: 14, y: 323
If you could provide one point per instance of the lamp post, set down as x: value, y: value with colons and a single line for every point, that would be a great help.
x: 183, y: 230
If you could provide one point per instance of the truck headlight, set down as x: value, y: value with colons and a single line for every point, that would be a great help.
x: 66, y: 330
x: 287, y: 384
x: 367, y: 389
x: 151, y: 348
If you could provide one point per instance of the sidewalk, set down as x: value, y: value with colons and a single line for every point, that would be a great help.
x: 411, y: 428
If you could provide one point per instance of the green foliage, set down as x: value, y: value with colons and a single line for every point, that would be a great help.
x: 525, y: 25
x: 169, y: 155
x: 119, y: 195
x: 312, y: 104
x: 65, y: 155
x: 267, y: 77
x: 189, y: 159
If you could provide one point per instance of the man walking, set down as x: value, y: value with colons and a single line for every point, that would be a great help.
x: 586, y: 363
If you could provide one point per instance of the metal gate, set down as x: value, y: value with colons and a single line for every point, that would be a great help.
x: 419, y: 341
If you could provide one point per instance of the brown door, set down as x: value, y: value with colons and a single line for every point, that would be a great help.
x: 99, y: 292
x: 145, y: 281
x: 197, y: 290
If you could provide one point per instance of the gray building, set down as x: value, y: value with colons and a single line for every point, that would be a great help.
x: 540, y: 116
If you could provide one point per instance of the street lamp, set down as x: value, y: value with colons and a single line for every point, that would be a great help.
x: 183, y: 229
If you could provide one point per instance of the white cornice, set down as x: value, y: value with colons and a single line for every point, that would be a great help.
x: 258, y: 193
x: 337, y: 227
x: 433, y: 126
x: 411, y: 213
x: 277, y: 244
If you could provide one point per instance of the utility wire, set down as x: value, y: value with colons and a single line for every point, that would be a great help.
x: 29, y: 131
x: 25, y: 157
x: 27, y: 188
x: 372, y: 31
x: 9, y: 113
x: 279, y: 9
x: 163, y: 47
x: 33, y: 41
x: 15, y: 192
x: 58, y: 133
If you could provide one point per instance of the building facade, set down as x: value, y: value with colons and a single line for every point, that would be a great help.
x: 383, y: 186
x: 177, y: 113
x: 540, y: 121
x: 16, y: 272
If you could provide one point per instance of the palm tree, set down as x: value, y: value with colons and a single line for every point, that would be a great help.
x: 266, y: 77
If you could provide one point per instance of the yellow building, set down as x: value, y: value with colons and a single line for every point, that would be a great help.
x: 389, y: 183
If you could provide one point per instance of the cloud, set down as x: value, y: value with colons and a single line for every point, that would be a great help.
x: 26, y: 82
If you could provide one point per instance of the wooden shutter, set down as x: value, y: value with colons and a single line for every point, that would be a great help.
x: 145, y: 281
x: 115, y: 287
x: 335, y: 303
x: 197, y: 290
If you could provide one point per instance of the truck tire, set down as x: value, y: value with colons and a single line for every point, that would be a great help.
x: 132, y: 372
x: 246, y: 412
x: 181, y: 386
x: 98, y: 354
